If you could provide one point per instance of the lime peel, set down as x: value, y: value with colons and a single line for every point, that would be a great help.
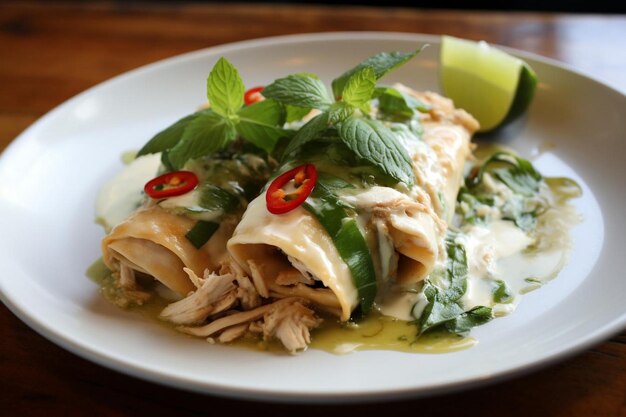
x: 493, y: 86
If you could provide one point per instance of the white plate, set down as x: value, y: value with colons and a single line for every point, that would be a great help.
x: 51, y: 174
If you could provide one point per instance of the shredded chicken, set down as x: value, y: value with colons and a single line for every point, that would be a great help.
x: 215, y: 293
x: 257, y: 279
x: 233, y: 333
x: 287, y: 320
x: 307, y: 277
x: 246, y: 292
x: 291, y: 325
x: 293, y: 277
x: 323, y: 298
x: 125, y: 291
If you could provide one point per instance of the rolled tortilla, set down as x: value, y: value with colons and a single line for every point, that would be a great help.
x: 152, y: 241
x: 292, y: 255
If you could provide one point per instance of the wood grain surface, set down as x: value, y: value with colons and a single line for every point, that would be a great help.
x: 52, y: 51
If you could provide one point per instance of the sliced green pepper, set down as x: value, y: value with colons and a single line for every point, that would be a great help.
x: 348, y: 239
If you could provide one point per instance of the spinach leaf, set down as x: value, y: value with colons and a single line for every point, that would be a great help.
x: 444, y: 291
x: 516, y: 173
x: 501, y: 292
x: 462, y: 324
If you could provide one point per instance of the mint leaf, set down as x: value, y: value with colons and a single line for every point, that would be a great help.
x: 295, y: 113
x: 339, y: 112
x: 261, y: 135
x: 301, y: 90
x: 371, y: 141
x: 381, y: 63
x: 168, y: 137
x: 360, y: 88
x: 225, y: 89
x: 396, y: 103
x: 204, y: 135
x: 260, y: 124
x: 307, y: 133
x: 268, y: 112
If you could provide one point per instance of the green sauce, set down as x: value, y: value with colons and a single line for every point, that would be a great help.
x: 378, y: 332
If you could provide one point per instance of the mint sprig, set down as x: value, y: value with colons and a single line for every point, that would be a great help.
x: 370, y: 140
x: 381, y: 64
x: 208, y: 131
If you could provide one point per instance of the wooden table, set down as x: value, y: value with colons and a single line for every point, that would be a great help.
x: 48, y: 53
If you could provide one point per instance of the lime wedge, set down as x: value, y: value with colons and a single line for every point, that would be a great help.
x: 493, y: 86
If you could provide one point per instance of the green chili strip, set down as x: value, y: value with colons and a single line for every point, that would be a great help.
x: 348, y: 240
x: 201, y: 232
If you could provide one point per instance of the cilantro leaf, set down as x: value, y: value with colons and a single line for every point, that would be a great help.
x: 204, y: 135
x: 225, y: 89
x: 371, y: 141
x: 381, y: 63
x: 300, y: 90
x: 360, y: 88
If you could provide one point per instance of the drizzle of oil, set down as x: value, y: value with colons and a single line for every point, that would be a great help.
x: 378, y: 332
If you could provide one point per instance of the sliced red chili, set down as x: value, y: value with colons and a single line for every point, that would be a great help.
x: 253, y: 95
x: 290, y: 189
x: 171, y: 184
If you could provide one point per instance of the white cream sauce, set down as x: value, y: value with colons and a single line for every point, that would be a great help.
x: 124, y: 193
x: 500, y: 251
